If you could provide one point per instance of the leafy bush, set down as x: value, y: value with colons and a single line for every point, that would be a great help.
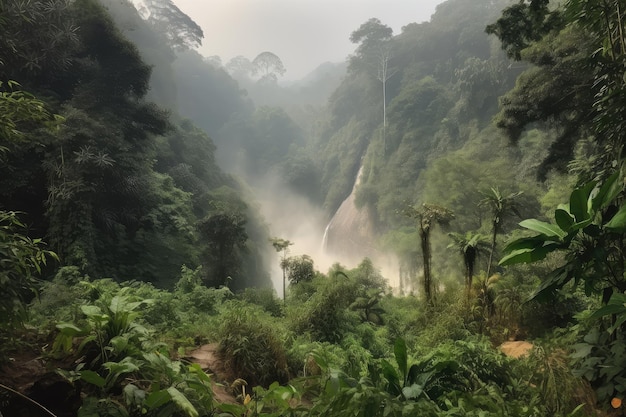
x: 251, y: 344
x: 265, y: 298
x: 21, y: 260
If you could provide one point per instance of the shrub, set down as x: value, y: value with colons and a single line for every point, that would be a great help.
x: 264, y: 298
x: 251, y: 345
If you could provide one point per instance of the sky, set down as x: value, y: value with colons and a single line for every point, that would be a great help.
x: 302, y: 33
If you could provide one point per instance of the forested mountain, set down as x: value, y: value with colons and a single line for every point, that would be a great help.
x: 120, y: 187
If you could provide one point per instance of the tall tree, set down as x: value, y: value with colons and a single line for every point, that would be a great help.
x: 282, y: 246
x: 427, y: 216
x: 501, y: 206
x: 269, y: 66
x: 524, y: 23
x: 372, y: 37
x: 239, y: 67
x: 374, y: 53
x: 179, y: 29
x: 225, y: 235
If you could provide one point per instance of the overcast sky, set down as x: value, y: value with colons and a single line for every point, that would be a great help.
x: 303, y: 33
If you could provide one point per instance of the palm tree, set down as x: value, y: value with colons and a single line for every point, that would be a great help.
x: 427, y: 216
x: 282, y: 245
x: 501, y: 206
x: 470, y: 245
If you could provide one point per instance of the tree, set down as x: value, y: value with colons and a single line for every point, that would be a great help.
x: 470, y: 245
x: 36, y: 37
x: 522, y: 24
x: 179, y: 29
x: 224, y: 234
x: 427, y: 217
x: 384, y: 74
x: 282, y: 245
x: 501, y: 206
x: 269, y: 66
x: 239, y: 67
x: 374, y: 50
x: 299, y: 269
x: 372, y: 37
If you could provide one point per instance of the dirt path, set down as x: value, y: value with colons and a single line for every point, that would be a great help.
x: 516, y: 349
x: 208, y: 358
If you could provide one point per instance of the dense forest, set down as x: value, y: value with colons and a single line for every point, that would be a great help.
x: 435, y: 227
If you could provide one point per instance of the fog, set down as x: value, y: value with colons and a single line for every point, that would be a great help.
x: 303, y: 33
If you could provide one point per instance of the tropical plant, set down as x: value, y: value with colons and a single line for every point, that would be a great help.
x: 21, y: 261
x: 501, y: 206
x: 470, y: 246
x: 111, y: 331
x: 428, y: 216
x: 589, y: 232
x: 282, y: 245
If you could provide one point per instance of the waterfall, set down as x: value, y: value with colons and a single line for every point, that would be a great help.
x: 350, y: 236
x: 349, y: 233
x: 325, y: 237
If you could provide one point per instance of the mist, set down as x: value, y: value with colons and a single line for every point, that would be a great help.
x: 304, y: 34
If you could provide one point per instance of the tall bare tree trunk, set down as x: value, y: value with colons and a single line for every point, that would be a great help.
x: 426, y: 257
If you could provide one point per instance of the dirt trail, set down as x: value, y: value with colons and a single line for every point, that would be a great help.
x: 516, y: 349
x: 208, y: 358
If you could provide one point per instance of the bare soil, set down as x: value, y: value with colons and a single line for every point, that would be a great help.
x: 516, y: 349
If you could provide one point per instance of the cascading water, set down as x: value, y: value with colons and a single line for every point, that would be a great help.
x: 325, y: 237
x: 350, y: 236
x: 345, y: 227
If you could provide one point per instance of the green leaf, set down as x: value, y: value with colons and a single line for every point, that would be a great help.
x: 544, y: 228
x: 579, y: 202
x: 581, y: 225
x: 70, y: 329
x: 581, y: 350
x: 157, y: 398
x: 90, y: 310
x: 618, y: 222
x: 412, y: 392
x: 554, y: 281
x: 616, y: 305
x: 392, y: 378
x: 123, y: 367
x: 608, y: 191
x: 563, y: 219
x: 119, y: 344
x: 527, y: 256
x: 182, y: 402
x: 93, y: 378
x: 196, y: 369
x: 526, y: 243
x: 399, y: 350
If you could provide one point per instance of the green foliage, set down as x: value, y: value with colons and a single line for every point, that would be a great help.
x: 265, y: 298
x: 523, y: 23
x: 225, y: 235
x: 111, y: 330
x: 37, y: 39
x: 21, y: 261
x: 584, y: 230
x: 251, y: 346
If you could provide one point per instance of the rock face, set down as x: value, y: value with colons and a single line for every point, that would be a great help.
x: 350, y: 234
